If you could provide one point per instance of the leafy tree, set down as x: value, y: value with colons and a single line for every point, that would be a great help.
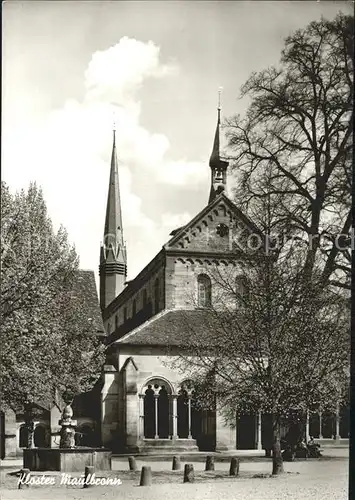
x: 298, y: 127
x: 48, y: 344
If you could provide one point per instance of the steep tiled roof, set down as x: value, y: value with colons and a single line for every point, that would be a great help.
x: 177, y: 328
x: 85, y: 289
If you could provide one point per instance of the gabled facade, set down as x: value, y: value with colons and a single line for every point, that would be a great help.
x: 215, y: 235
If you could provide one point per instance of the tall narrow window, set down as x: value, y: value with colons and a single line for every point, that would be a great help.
x: 204, y: 290
x: 116, y: 321
x: 145, y: 299
x: 241, y: 287
x: 156, y: 295
x: 134, y: 308
x: 125, y: 314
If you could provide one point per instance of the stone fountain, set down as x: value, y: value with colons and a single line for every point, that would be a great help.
x: 67, y: 432
x: 68, y: 457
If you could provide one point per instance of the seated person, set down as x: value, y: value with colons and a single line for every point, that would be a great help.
x: 313, y: 448
x: 302, y: 450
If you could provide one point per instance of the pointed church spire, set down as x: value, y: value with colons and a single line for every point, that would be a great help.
x: 113, y: 262
x: 113, y: 219
x: 218, y: 166
x: 215, y: 150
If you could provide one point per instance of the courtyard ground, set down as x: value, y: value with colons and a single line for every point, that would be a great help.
x: 311, y: 479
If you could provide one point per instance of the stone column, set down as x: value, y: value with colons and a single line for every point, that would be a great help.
x: 236, y: 432
x: 156, y: 415
x: 130, y: 399
x: 259, y: 443
x: 307, y: 426
x: 109, y: 405
x: 189, y: 416
x: 141, y: 416
x: 175, y: 416
x: 337, y: 423
x: 320, y: 425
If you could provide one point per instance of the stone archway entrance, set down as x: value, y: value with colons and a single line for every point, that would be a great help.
x: 157, y: 410
x: 183, y: 409
x: 40, y: 437
x: 189, y: 415
x: 23, y: 436
x: 166, y: 418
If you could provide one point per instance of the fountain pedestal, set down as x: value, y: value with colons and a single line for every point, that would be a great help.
x: 68, y: 457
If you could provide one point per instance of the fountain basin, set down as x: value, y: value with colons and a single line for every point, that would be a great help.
x: 66, y: 459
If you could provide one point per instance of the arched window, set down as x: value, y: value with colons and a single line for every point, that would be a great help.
x: 41, y: 437
x: 156, y: 295
x: 157, y: 409
x: 204, y: 290
x: 116, y: 321
x: 241, y: 287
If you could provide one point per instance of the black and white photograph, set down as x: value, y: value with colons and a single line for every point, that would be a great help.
x: 176, y: 250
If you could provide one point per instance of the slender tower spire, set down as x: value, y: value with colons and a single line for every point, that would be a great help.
x: 113, y: 260
x: 218, y: 166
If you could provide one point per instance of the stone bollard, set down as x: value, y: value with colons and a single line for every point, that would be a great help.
x: 146, y: 476
x: 189, y: 476
x: 89, y: 472
x: 209, y: 463
x: 24, y: 476
x: 176, y: 463
x: 132, y: 463
x: 234, y: 468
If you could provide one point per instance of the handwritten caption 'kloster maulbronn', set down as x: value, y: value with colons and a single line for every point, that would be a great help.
x: 68, y: 480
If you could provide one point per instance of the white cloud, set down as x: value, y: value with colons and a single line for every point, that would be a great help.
x: 173, y: 221
x: 183, y: 173
x: 68, y: 155
x: 119, y: 71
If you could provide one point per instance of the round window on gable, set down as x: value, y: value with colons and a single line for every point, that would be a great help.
x: 222, y: 230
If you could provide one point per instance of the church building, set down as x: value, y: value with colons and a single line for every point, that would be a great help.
x: 146, y: 406
x: 142, y: 403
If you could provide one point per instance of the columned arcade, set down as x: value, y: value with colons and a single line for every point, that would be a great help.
x: 168, y: 414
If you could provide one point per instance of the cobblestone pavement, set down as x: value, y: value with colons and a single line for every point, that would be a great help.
x: 304, y: 480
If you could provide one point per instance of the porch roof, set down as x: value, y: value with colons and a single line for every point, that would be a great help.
x: 178, y: 328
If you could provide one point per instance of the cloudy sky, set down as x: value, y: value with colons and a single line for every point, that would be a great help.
x: 69, y: 66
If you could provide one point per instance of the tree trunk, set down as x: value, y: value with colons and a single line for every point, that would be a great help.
x: 277, y: 463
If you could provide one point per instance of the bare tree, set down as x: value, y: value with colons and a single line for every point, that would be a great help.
x: 272, y: 343
x: 298, y: 127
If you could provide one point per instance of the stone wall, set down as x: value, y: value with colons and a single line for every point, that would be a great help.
x: 142, y: 299
x: 181, y: 276
x: 138, y: 365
